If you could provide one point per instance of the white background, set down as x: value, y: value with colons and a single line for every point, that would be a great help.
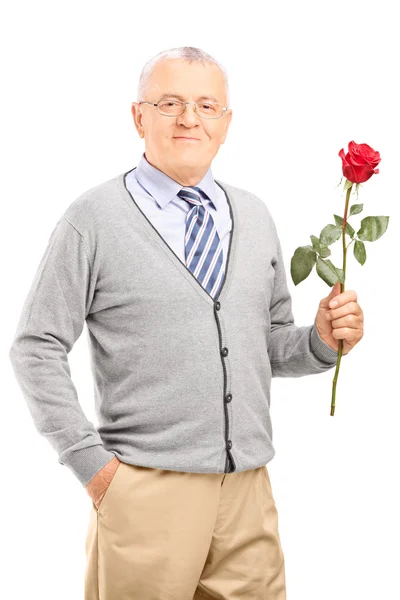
x: 305, y: 79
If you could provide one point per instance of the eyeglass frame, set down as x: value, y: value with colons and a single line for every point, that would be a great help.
x: 224, y: 108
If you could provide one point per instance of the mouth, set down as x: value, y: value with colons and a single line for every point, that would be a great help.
x: 186, y: 139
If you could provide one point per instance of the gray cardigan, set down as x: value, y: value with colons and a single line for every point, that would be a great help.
x: 181, y: 380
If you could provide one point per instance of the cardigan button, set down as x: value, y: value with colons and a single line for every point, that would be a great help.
x: 229, y: 444
x: 228, y: 397
x: 217, y: 305
x: 224, y: 351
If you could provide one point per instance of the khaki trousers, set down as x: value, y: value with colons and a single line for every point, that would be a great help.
x: 169, y: 535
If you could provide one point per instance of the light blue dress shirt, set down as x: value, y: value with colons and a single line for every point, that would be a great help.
x: 156, y: 195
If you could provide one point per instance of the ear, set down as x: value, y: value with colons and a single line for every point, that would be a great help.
x: 228, y: 119
x: 137, y: 118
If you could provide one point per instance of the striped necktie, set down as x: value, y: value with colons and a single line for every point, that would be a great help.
x: 203, y: 249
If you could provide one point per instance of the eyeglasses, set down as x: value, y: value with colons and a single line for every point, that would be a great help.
x: 174, y: 108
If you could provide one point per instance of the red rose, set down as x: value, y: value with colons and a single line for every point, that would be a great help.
x: 360, y: 163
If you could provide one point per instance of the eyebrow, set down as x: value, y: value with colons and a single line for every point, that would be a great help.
x: 199, y: 98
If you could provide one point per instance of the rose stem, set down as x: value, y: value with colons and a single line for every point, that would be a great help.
x: 341, y: 290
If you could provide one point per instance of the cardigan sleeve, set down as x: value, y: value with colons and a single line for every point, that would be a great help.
x: 52, y: 319
x: 293, y: 351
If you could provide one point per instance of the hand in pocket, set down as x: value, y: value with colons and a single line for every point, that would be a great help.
x: 98, y: 485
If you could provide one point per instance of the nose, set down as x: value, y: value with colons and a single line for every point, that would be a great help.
x: 189, y: 115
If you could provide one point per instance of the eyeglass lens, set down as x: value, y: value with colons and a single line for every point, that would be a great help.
x: 208, y: 110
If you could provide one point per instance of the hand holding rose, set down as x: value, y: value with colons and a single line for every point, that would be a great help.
x: 343, y: 322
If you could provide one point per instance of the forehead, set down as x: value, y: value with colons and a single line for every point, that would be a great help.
x: 187, y: 80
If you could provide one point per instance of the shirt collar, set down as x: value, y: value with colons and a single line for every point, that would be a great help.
x: 163, y: 188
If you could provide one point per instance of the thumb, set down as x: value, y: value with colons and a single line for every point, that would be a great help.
x: 335, y: 291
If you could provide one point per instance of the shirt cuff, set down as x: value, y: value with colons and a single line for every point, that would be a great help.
x: 320, y: 348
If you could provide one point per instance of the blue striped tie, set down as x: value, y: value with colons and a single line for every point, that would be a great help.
x: 203, y: 249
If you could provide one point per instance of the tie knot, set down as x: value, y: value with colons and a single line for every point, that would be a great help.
x: 192, y: 194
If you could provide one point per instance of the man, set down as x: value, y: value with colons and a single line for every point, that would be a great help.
x: 180, y: 279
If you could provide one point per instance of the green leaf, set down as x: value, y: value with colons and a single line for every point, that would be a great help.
x: 329, y: 234
x: 347, y: 185
x: 359, y: 252
x: 355, y: 209
x: 349, y: 230
x: 372, y: 228
x: 315, y: 243
x: 328, y: 272
x: 340, y: 273
x: 321, y: 249
x: 324, y: 251
x: 302, y: 263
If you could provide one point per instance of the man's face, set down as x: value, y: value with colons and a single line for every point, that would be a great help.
x: 182, y: 158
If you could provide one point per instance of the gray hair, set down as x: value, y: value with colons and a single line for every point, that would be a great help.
x: 186, y: 53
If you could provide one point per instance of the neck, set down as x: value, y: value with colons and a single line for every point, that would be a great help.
x: 187, y: 176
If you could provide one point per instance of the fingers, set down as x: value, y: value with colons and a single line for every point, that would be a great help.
x: 343, y: 298
x: 350, y: 321
x: 347, y: 334
x: 350, y: 308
